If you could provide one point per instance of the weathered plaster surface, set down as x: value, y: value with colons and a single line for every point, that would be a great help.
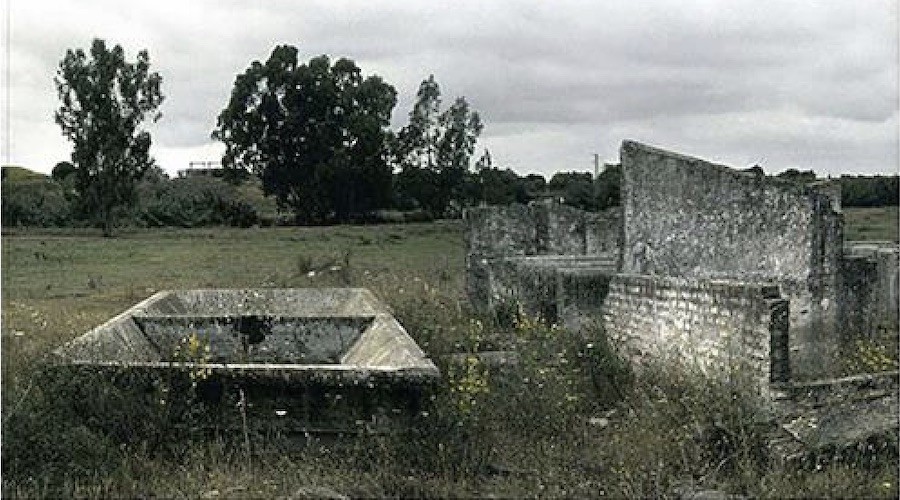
x: 687, y: 217
x: 511, y: 250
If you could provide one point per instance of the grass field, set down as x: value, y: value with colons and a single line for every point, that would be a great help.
x: 875, y: 223
x: 575, y: 424
x: 57, y: 286
x: 15, y: 173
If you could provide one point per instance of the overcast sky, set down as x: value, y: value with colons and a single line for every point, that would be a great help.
x: 806, y: 84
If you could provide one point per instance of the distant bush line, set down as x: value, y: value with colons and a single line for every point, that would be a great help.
x: 875, y: 191
x: 34, y: 200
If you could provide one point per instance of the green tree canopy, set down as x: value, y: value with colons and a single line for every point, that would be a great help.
x: 106, y: 101
x: 434, y: 150
x: 575, y: 188
x: 493, y: 186
x: 794, y: 175
x: 62, y: 171
x: 869, y: 191
x: 418, y: 140
x: 314, y: 133
x: 608, y: 186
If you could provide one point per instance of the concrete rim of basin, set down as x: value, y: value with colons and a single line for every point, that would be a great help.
x: 382, y: 349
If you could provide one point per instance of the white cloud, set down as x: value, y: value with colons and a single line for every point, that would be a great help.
x: 813, y: 84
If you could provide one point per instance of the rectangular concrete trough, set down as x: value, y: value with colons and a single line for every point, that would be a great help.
x: 558, y: 288
x: 286, y: 334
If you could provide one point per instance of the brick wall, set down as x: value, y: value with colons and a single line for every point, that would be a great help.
x: 723, y: 326
x: 687, y: 217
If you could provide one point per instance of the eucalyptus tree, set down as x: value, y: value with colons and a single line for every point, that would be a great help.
x: 106, y: 104
x: 315, y: 133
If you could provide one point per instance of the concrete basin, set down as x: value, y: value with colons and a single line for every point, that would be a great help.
x: 291, y: 334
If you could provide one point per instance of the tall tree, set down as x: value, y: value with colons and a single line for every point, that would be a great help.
x: 314, y: 133
x: 575, y: 188
x: 435, y: 149
x: 419, y: 138
x: 415, y: 150
x: 461, y: 128
x: 106, y: 102
x: 498, y: 187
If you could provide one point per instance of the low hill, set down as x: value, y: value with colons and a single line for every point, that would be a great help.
x: 15, y: 173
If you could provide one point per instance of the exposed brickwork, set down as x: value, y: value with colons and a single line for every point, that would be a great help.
x: 687, y: 217
x: 726, y: 327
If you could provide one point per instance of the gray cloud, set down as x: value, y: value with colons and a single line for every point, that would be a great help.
x: 812, y: 84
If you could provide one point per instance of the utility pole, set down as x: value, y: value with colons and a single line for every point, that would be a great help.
x: 596, y: 166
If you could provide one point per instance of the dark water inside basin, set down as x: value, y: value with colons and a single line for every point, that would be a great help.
x: 253, y: 338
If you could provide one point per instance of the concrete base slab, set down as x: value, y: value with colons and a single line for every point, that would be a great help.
x: 830, y: 419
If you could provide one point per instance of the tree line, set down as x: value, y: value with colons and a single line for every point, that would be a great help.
x: 313, y: 136
x: 35, y: 200
x: 856, y: 190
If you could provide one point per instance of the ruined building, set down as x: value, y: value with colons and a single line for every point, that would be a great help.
x: 733, y: 271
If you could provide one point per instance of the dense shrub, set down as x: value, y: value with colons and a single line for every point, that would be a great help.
x: 869, y: 191
x: 39, y: 202
x: 191, y: 202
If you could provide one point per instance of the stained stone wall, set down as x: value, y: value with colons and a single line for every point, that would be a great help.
x: 870, y: 291
x: 497, y: 233
x: 559, y: 289
x: 725, y: 327
x: 686, y: 217
x: 541, y: 228
x: 500, y: 230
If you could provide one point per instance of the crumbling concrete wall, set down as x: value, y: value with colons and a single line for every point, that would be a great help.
x: 870, y: 291
x: 541, y: 228
x: 496, y: 233
x: 500, y: 230
x: 522, y: 283
x: 738, y: 273
x: 687, y: 217
x: 603, y: 233
x: 558, y: 289
x: 725, y: 327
